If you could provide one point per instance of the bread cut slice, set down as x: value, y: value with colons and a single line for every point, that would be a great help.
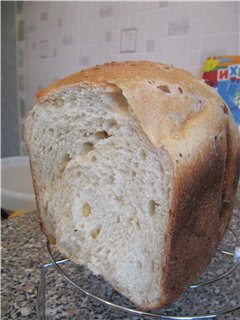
x: 135, y: 166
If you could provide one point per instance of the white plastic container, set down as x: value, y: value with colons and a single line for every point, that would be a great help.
x: 17, y: 189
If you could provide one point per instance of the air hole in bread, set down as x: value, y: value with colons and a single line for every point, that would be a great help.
x: 94, y: 159
x: 101, y: 135
x: 198, y: 106
x: 152, y: 207
x: 88, y: 146
x: 217, y: 143
x: 95, y: 232
x: 112, y: 123
x: 139, y: 265
x: 111, y: 179
x: 119, y: 199
x: 134, y: 220
x: 65, y: 160
x: 136, y: 164
x: 138, y: 223
x: 59, y: 102
x: 86, y: 210
x: 164, y: 88
x: 152, y: 266
x: 123, y: 107
x: 122, y: 103
x: 143, y: 155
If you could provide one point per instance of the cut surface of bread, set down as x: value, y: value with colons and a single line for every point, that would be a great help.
x: 133, y: 164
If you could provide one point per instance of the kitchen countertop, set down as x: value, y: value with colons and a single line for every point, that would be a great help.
x: 24, y: 252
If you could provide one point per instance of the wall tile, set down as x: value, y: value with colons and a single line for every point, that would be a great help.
x: 22, y: 108
x: 178, y: 28
x: 108, y: 24
x: 142, y: 6
x: 153, y: 5
x: 21, y: 82
x: 227, y: 41
x: 176, y: 51
x: 236, y: 8
x: 55, y: 53
x: 67, y: 40
x: 44, y: 16
x: 150, y: 45
x: 116, y: 23
x: 197, y: 10
x: 19, y: 7
x: 84, y: 60
x: 235, y: 23
x: 32, y: 27
x: 60, y: 22
x: 141, y: 44
x: 157, y: 24
x: 208, y: 42
x: 160, y: 49
x: 142, y: 19
x: 124, y: 8
x: 20, y: 30
x: 163, y: 4
x: 108, y: 36
x: 43, y: 49
x: 216, y: 17
x: 193, y: 58
x: 195, y: 34
x: 124, y: 22
x: 106, y: 10
x: 20, y: 57
x: 116, y: 35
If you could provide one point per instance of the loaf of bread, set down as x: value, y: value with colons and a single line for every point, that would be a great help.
x: 135, y: 167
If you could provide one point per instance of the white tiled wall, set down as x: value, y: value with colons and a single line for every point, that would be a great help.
x: 64, y: 37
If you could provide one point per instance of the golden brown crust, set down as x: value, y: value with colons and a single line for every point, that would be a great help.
x: 205, y: 151
x: 117, y: 72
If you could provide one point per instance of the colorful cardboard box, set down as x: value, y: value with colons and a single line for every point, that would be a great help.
x: 223, y: 73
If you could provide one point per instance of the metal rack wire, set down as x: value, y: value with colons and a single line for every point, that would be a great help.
x: 41, y: 301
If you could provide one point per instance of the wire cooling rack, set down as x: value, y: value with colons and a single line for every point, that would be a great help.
x: 233, y: 254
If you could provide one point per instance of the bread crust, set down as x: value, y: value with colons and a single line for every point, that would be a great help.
x: 203, y: 200
x: 205, y: 153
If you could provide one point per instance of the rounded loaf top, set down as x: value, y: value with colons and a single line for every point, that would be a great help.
x: 115, y: 73
x: 164, y: 98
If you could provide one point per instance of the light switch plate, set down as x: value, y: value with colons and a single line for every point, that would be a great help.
x: 128, y: 40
